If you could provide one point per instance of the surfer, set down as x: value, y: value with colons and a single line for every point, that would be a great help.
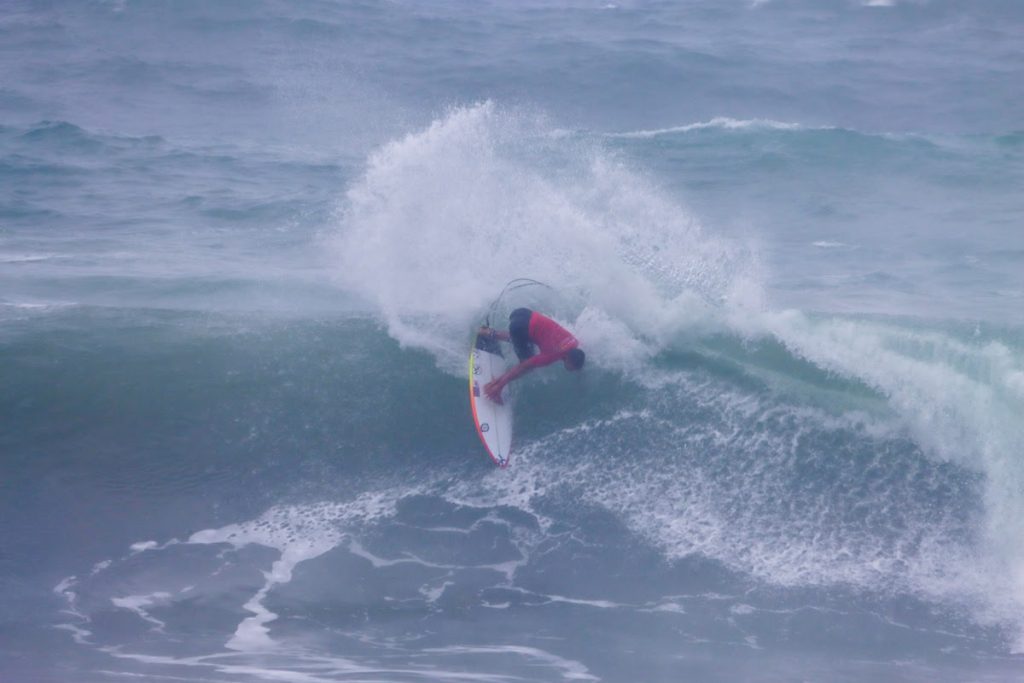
x: 528, y: 329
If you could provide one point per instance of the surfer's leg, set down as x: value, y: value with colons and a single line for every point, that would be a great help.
x: 519, y: 332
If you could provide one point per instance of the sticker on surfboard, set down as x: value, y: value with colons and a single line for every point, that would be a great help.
x: 493, y: 420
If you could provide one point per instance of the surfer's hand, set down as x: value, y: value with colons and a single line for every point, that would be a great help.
x: 486, y: 332
x: 493, y: 391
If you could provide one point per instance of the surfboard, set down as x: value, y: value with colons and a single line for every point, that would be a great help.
x: 493, y: 420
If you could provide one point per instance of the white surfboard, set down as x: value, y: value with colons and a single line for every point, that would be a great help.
x: 493, y: 420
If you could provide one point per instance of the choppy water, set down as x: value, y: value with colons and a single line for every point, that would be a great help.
x: 240, y: 260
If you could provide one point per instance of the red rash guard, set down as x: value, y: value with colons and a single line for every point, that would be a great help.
x: 553, y: 340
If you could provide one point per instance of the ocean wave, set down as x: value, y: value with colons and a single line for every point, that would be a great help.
x: 949, y: 145
x: 663, y: 283
x: 796, y: 453
x: 719, y: 123
x: 30, y: 258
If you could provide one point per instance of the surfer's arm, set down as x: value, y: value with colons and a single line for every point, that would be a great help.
x: 493, y: 388
x: 518, y: 371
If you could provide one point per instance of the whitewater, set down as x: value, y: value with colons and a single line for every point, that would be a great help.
x: 240, y: 269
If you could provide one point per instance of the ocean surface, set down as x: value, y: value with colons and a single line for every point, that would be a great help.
x: 243, y: 249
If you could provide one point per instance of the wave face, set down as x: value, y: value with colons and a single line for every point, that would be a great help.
x: 242, y: 253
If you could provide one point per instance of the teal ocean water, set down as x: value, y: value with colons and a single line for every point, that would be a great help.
x: 243, y: 247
